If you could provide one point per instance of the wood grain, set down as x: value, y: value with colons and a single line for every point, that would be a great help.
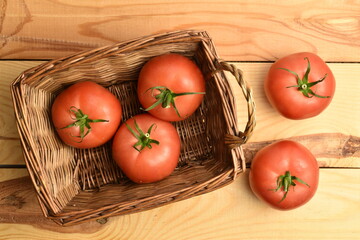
x: 18, y: 204
x: 9, y: 138
x: 12, y: 173
x: 242, y: 30
x: 11, y: 152
x: 329, y: 149
x: 9, y: 70
x: 232, y: 212
x: 270, y: 125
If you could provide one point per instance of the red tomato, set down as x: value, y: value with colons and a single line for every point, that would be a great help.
x: 284, y: 165
x: 300, y: 85
x: 146, y: 148
x: 86, y: 115
x: 171, y: 87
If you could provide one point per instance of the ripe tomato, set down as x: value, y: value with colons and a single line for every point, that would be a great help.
x: 284, y: 174
x: 171, y: 87
x: 146, y: 148
x: 300, y: 85
x: 86, y: 115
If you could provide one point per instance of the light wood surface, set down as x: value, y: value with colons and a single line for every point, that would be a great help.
x: 9, y: 137
x: 242, y: 29
x: 12, y: 173
x: 232, y: 212
x: 250, y: 34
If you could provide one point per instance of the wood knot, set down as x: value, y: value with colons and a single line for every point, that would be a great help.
x: 13, y: 201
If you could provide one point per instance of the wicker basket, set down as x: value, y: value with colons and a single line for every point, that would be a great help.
x: 77, y: 185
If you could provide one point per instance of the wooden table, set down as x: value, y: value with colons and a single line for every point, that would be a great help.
x: 251, y: 34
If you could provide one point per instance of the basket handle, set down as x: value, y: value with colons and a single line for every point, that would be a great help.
x: 241, y: 137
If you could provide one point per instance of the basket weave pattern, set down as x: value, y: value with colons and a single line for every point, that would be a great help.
x: 77, y: 185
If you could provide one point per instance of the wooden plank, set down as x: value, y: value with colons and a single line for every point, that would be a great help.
x: 12, y: 173
x: 242, y: 30
x: 270, y: 125
x: 330, y: 149
x: 10, y: 148
x: 9, y: 138
x: 231, y: 212
x: 11, y: 152
x: 9, y: 70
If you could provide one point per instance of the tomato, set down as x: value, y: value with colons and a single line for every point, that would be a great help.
x: 86, y: 115
x: 300, y: 85
x: 146, y: 148
x: 284, y: 174
x: 171, y: 87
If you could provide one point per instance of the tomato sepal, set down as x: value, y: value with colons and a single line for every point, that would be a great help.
x: 144, y: 139
x: 82, y: 121
x: 303, y: 85
x: 285, y: 181
x: 166, y: 98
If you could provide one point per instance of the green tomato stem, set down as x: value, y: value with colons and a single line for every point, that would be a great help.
x: 285, y: 181
x: 82, y: 121
x: 303, y: 85
x: 166, y: 98
x: 144, y: 139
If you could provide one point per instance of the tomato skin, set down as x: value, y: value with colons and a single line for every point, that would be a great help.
x: 95, y: 101
x: 179, y: 74
x: 274, y: 160
x: 148, y: 165
x: 290, y: 102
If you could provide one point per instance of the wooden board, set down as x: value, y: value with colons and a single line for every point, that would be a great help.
x: 232, y: 212
x: 12, y: 173
x: 252, y: 34
x: 9, y: 138
x: 242, y: 30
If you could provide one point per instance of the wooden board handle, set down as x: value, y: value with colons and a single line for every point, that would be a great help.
x: 345, y: 149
